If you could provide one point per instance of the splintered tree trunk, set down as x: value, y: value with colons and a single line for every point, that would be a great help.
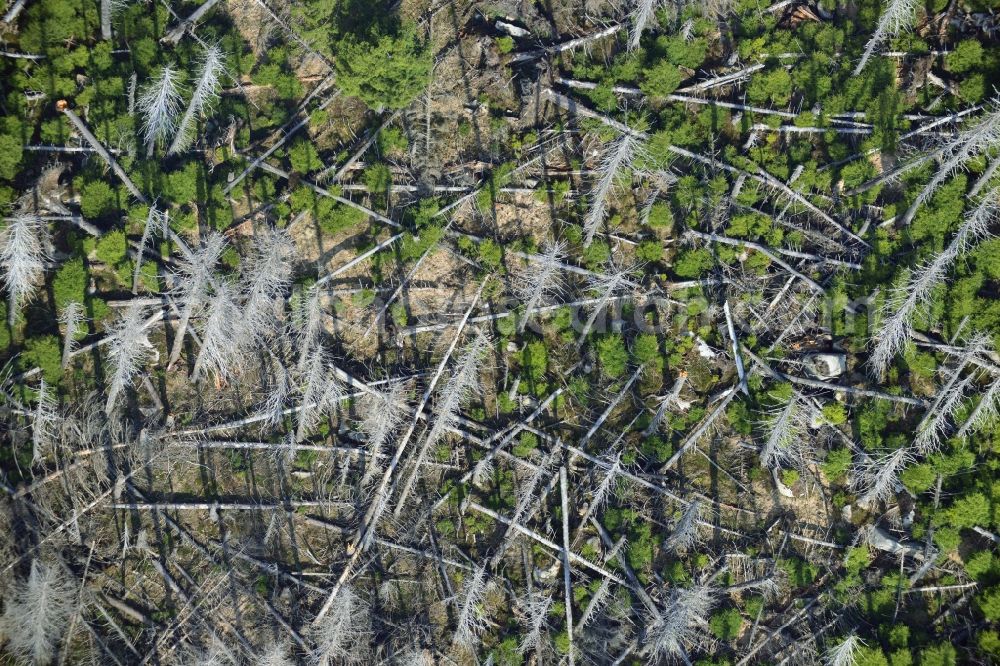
x: 179, y: 333
x: 567, y: 579
x: 102, y: 151
x: 178, y: 31
x: 548, y: 543
x: 13, y: 12
x: 381, y: 496
x: 105, y: 19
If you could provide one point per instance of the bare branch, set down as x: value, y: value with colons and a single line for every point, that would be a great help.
x: 159, y: 103
x: 897, y: 16
x: 23, y: 256
x: 129, y: 350
x: 37, y: 612
x: 843, y: 654
x: 206, y: 92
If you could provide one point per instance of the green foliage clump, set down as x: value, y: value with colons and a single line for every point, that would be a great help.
x: 304, y: 157
x: 646, y: 350
x: 660, y: 216
x: 534, y: 360
x: 772, y: 87
x: 112, y: 248
x: 45, y: 352
x: 691, y: 263
x: 649, y: 251
x: 96, y: 198
x: 726, y: 624
x: 688, y: 53
x: 988, y: 603
x: 942, y: 654
x: 612, y: 355
x: 185, y: 185
x: 870, y: 656
x: 800, y: 572
x: 69, y: 284
x: 383, y: 71
x: 641, y: 545
x: 918, y: 478
x: 596, y: 254
x: 661, y: 79
x: 11, y: 152
x: 490, y: 253
x: 837, y: 462
x: 739, y: 417
x: 971, y: 510
x: 835, y: 413
x: 967, y: 55
x: 392, y: 141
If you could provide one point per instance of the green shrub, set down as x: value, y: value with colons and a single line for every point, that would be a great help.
x: 534, y: 360
x: 112, y: 248
x: 70, y: 284
x: 490, y: 254
x: 691, y: 263
x: 649, y: 251
x: 918, y: 478
x: 835, y: 413
x: 11, y: 152
x: 304, y: 157
x: 392, y: 141
x: 378, y: 178
x: 383, y: 71
x: 45, y: 352
x: 660, y: 216
x: 726, y: 624
x: 838, y: 461
x: 967, y: 55
x: 612, y: 355
x: 988, y: 603
x: 661, y: 79
x: 96, y: 198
